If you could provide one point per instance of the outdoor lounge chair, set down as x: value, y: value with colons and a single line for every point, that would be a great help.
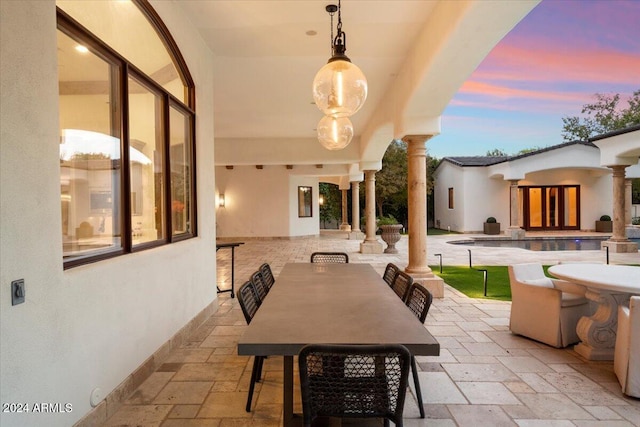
x: 626, y: 357
x: 540, y: 310
x: 354, y: 381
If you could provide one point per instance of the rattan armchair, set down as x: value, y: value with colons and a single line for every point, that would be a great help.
x: 261, y: 288
x: 419, y: 301
x: 390, y: 273
x: 267, y: 275
x: 354, y: 381
x: 249, y: 303
x: 401, y: 284
x: 330, y: 257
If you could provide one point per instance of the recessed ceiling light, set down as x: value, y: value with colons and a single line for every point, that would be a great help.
x: 82, y: 49
x: 311, y: 33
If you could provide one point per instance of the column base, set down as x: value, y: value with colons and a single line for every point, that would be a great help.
x: 356, y: 235
x: 591, y: 353
x: 516, y: 233
x: 371, y: 247
x: 620, y: 247
x: 433, y: 283
x: 345, y: 227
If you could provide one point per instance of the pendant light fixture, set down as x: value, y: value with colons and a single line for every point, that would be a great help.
x: 339, y: 90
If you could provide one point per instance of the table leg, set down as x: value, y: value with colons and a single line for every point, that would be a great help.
x: 598, y: 332
x: 233, y: 263
x: 288, y: 392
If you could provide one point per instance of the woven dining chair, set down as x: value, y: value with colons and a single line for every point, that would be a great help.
x: 267, y: 275
x: 354, y: 381
x: 390, y: 273
x: 401, y: 284
x: 261, y: 288
x: 249, y: 303
x: 419, y: 301
x: 330, y: 257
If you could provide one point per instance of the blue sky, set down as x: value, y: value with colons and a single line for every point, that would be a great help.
x: 546, y: 68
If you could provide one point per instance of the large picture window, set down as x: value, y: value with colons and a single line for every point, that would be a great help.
x: 127, y: 146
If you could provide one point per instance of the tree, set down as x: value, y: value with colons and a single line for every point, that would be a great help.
x: 331, y: 208
x: 392, y: 178
x: 602, y: 116
x: 496, y: 152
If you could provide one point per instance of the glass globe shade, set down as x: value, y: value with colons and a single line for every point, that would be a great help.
x: 339, y: 89
x: 335, y: 133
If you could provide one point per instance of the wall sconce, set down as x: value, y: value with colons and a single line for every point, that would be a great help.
x: 321, y: 200
x: 221, y: 201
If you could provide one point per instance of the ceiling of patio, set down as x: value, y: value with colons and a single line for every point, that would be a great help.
x: 415, y: 55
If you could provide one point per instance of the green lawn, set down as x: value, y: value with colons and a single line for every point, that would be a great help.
x: 471, y: 281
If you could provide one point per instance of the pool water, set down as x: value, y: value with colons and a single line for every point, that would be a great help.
x: 557, y: 244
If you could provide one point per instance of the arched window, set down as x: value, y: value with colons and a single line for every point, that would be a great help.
x: 127, y: 120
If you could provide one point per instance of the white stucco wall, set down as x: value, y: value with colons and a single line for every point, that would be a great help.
x: 484, y: 197
x: 89, y: 326
x: 263, y: 202
x: 447, y: 176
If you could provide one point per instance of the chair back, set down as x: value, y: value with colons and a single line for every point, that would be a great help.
x: 362, y: 381
x: 248, y: 300
x: 267, y: 275
x: 330, y: 257
x: 259, y: 285
x: 419, y: 300
x: 401, y: 284
x: 390, y: 273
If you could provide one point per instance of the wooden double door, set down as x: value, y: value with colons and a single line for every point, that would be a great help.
x: 550, y: 207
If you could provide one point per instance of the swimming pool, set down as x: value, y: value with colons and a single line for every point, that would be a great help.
x: 540, y: 244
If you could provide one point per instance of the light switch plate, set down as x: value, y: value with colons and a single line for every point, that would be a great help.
x: 17, y: 292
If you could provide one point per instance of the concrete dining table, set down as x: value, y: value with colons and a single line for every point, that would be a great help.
x: 607, y: 286
x: 330, y: 304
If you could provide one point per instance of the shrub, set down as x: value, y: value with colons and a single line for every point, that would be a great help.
x: 387, y: 220
x: 635, y: 220
x: 605, y: 218
x: 491, y: 220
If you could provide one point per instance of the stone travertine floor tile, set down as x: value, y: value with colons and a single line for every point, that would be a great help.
x: 437, y: 387
x: 225, y: 405
x: 553, y: 406
x: 487, y: 393
x: 537, y: 383
x: 544, y: 423
x: 189, y: 355
x: 188, y: 392
x: 191, y: 423
x: 630, y: 413
x: 184, y: 411
x: 139, y: 415
x: 150, y: 388
x: 480, y: 416
x: 209, y: 372
x: 524, y: 364
x: 478, y: 372
x: 485, y: 349
x: 603, y: 413
x: 584, y: 423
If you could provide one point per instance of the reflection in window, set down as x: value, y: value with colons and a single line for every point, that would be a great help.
x: 304, y: 202
x: 90, y: 160
x: 181, y: 203
x: 146, y: 161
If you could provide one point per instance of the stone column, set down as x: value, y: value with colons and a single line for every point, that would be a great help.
x: 355, y: 234
x: 345, y: 223
x: 618, y: 242
x: 514, y: 230
x: 627, y: 201
x: 417, y: 207
x: 371, y: 245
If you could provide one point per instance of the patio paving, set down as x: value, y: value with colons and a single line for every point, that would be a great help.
x: 484, y: 376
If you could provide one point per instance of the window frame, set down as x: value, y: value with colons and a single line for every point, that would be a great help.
x: 73, y: 29
x: 451, y: 198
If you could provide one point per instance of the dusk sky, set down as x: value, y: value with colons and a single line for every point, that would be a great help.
x: 546, y: 68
